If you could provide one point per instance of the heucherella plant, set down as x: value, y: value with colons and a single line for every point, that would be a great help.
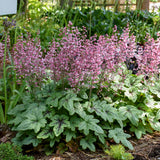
x: 83, y: 61
x: 9, y: 90
x: 28, y: 60
x: 94, y: 113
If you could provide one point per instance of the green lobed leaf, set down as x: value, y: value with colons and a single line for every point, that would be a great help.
x: 19, y: 108
x: 79, y: 109
x: 83, y: 95
x: 68, y: 102
x: 17, y: 120
x: 69, y: 135
x: 90, y: 123
x: 140, y: 130
x: 34, y: 121
x: 23, y: 138
x: 75, y: 121
x: 158, y: 115
x: 46, y: 133
x: 155, y: 124
x: 54, y: 99
x: 119, y: 136
x: 155, y: 89
x: 59, y: 122
x: 130, y: 112
x: 88, y: 142
x: 101, y: 137
x: 131, y: 94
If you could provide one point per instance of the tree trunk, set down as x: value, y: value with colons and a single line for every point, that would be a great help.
x: 142, y: 4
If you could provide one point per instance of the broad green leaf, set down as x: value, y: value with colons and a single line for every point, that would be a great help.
x: 133, y: 80
x: 59, y: 122
x: 31, y: 139
x: 47, y: 132
x: 68, y: 102
x: 94, y: 97
x: 83, y: 95
x: 158, y: 115
x: 26, y: 99
x: 90, y: 123
x: 69, y: 135
x: 85, y: 127
x: 79, y: 109
x: 34, y: 120
x: 19, y: 108
x: 97, y: 108
x: 111, y: 113
x: 52, y: 142
x: 130, y: 112
x: 155, y: 89
x: 101, y: 137
x: 23, y: 138
x: 50, y: 112
x: 140, y: 130
x: 17, y: 120
x: 75, y: 121
x: 53, y: 100
x: 88, y: 142
x: 131, y: 94
x: 155, y: 124
x: 143, y: 117
x: 151, y: 103
x: 119, y: 136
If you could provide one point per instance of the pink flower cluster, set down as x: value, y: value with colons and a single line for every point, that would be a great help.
x: 149, y: 57
x: 83, y: 61
x: 1, y: 52
x: 28, y: 60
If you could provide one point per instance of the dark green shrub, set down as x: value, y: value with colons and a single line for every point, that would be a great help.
x: 9, y: 151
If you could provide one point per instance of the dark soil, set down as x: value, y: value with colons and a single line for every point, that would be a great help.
x: 147, y: 148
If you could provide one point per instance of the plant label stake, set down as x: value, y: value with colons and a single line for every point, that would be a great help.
x: 8, y: 7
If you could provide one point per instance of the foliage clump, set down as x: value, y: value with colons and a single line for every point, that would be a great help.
x: 118, y: 152
x: 9, y: 151
x: 52, y: 115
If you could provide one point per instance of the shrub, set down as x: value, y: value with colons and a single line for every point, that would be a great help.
x: 9, y: 151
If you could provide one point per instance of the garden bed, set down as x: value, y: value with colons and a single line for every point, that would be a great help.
x: 146, y: 148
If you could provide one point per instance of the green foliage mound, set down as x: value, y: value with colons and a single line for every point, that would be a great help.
x: 11, y: 152
x: 52, y: 115
x: 118, y: 152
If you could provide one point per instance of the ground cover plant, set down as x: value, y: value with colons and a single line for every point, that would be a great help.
x: 87, y: 95
x: 12, y: 152
x: 78, y: 91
